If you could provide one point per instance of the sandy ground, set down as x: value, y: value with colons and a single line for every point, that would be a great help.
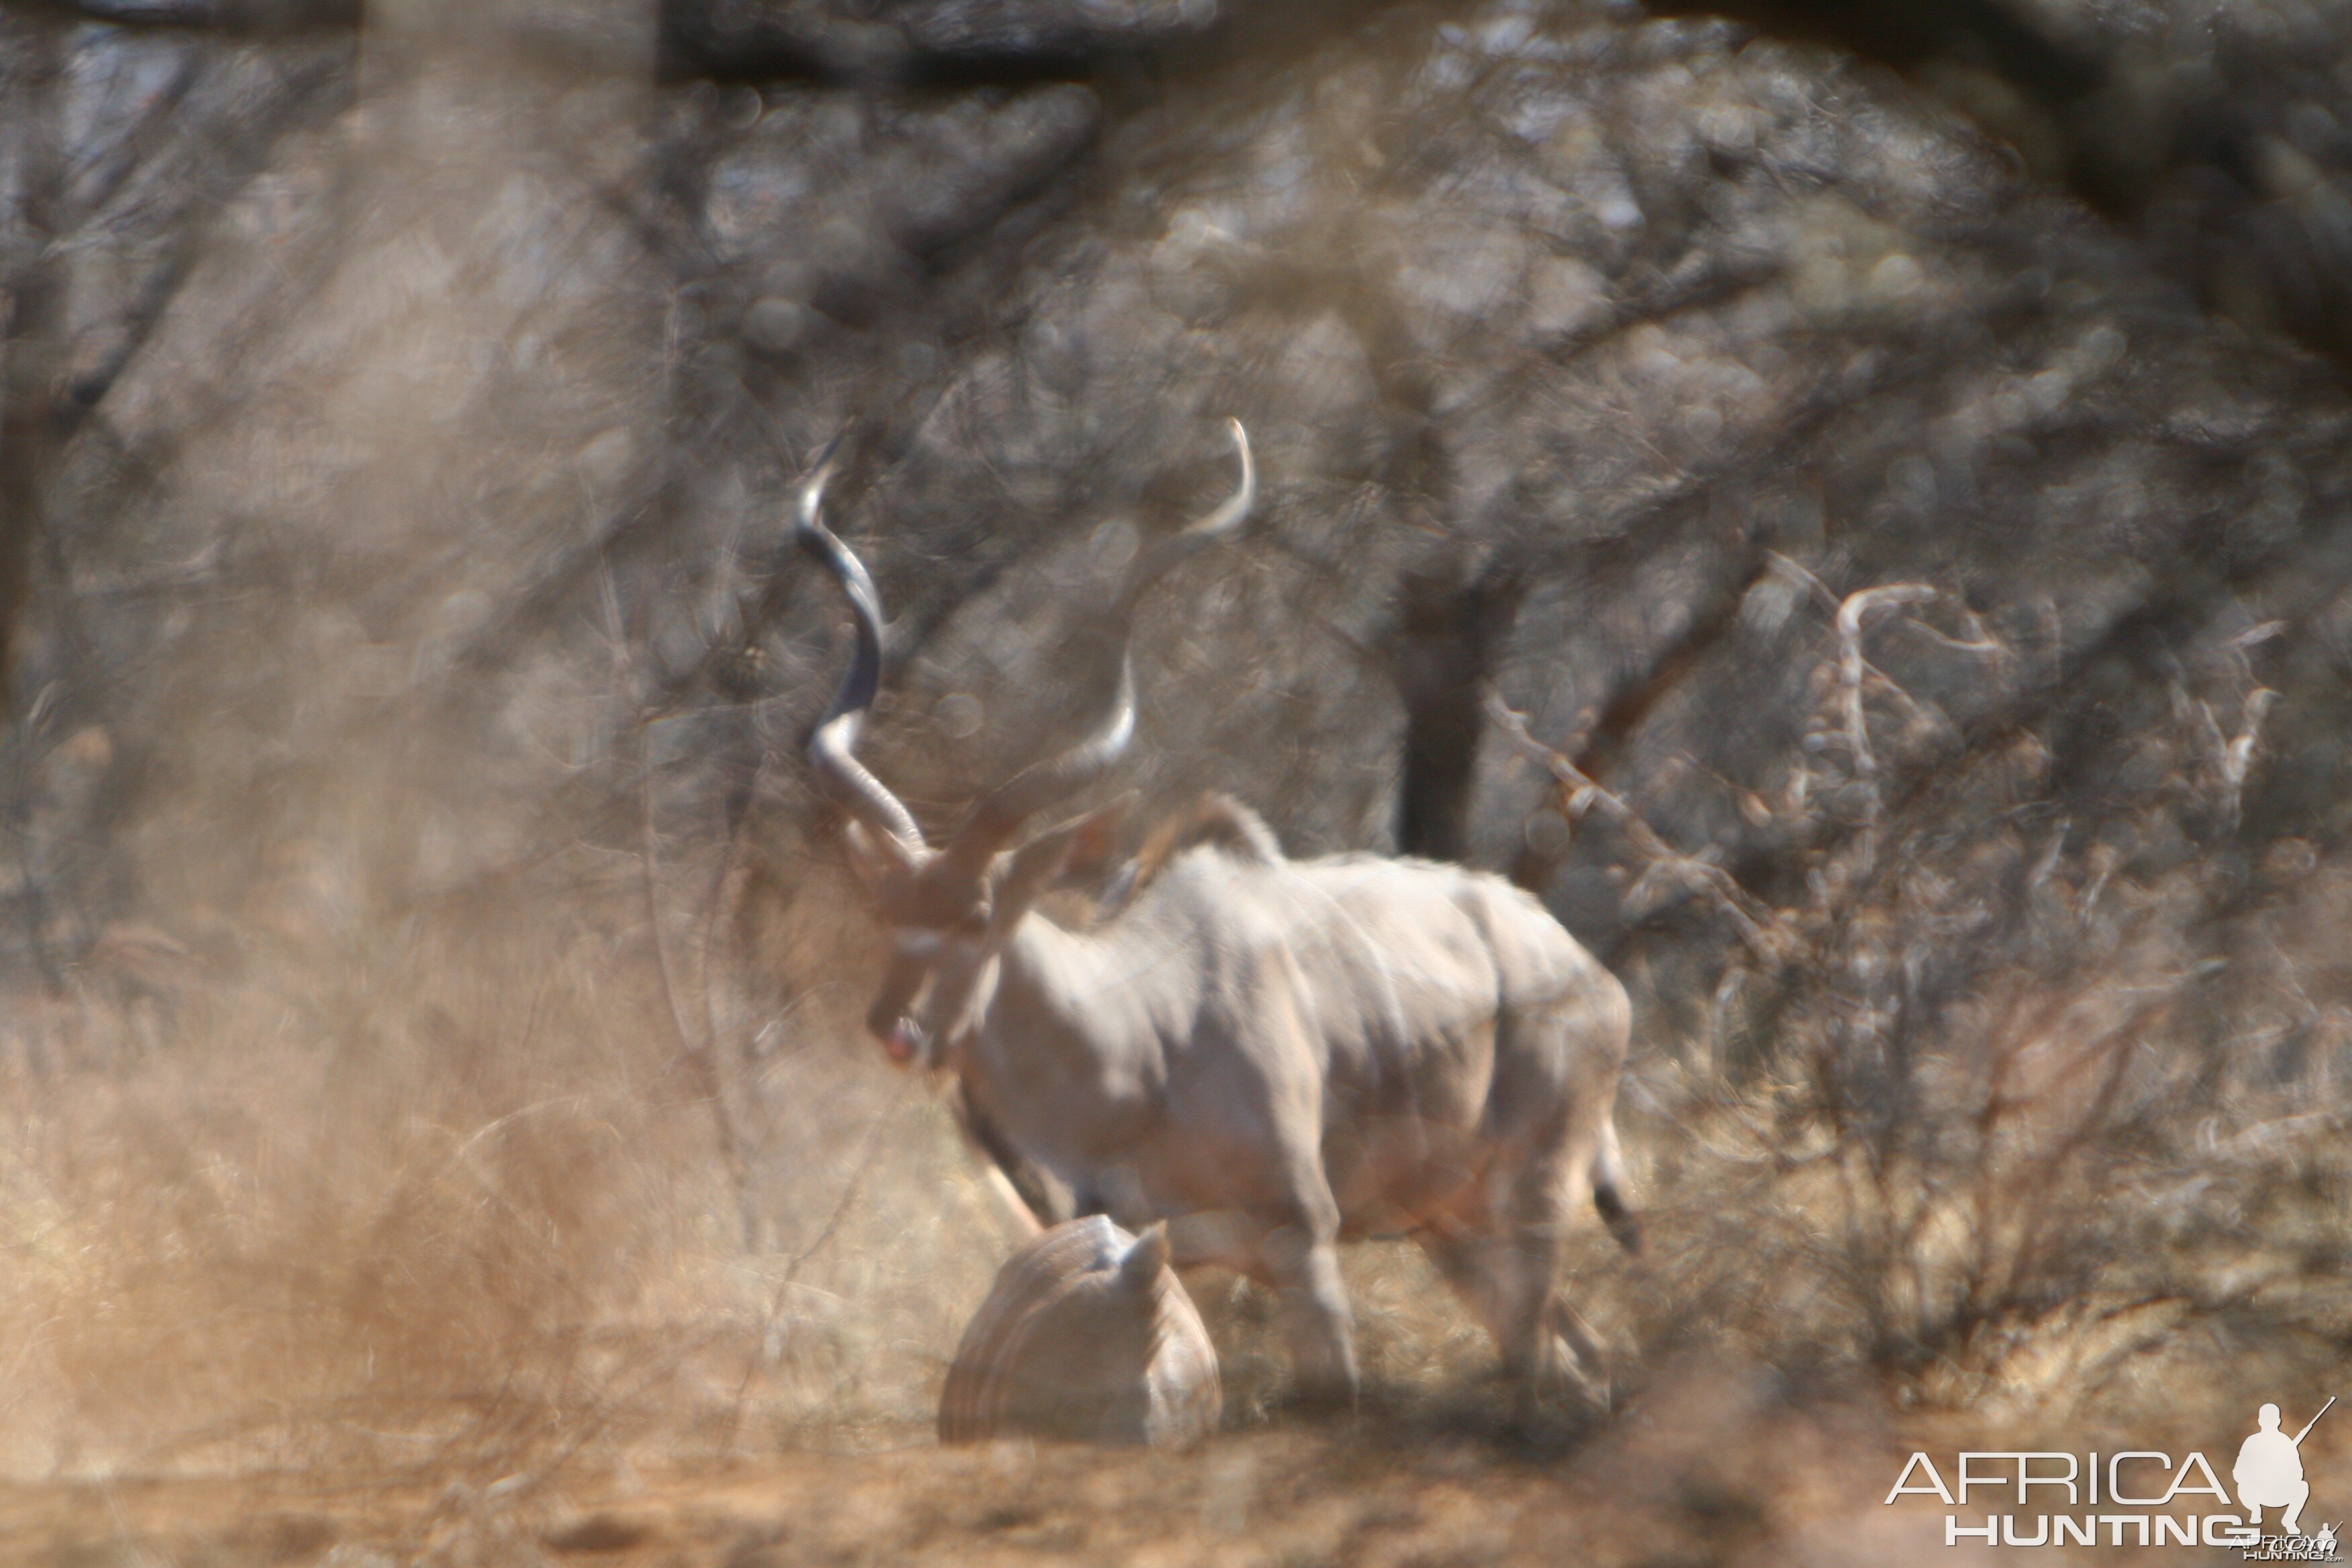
x: 1714, y: 1467
x: 1711, y: 1463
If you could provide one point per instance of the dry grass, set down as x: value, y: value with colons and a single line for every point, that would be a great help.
x: 425, y: 1221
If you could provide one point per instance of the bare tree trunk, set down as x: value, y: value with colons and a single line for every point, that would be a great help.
x: 33, y: 269
x: 1448, y: 628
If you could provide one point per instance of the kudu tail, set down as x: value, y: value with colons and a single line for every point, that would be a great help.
x: 1609, y: 1190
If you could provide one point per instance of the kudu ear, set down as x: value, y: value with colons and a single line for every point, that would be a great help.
x: 1139, y: 1270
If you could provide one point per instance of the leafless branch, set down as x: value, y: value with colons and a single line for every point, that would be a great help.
x: 1856, y: 609
x: 1759, y: 926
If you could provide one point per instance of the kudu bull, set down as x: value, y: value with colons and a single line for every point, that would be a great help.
x: 1272, y: 1055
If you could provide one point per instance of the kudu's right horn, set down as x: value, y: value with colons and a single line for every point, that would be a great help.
x: 999, y: 814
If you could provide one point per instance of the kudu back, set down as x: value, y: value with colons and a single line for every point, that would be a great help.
x: 1271, y: 1056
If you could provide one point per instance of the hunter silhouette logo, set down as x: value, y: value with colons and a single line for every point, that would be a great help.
x: 2269, y: 1472
x: 2135, y: 1497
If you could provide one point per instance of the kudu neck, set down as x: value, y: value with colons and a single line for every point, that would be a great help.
x: 1076, y: 986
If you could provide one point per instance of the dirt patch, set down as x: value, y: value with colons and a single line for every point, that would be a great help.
x: 1711, y: 1466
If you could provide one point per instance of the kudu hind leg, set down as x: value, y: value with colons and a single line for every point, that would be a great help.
x: 1560, y: 1152
x: 1563, y: 1356
x: 1506, y: 1268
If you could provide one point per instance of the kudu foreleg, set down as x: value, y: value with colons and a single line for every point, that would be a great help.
x: 1301, y: 1260
x: 1020, y: 1189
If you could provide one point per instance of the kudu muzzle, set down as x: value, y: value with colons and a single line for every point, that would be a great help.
x: 892, y: 1019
